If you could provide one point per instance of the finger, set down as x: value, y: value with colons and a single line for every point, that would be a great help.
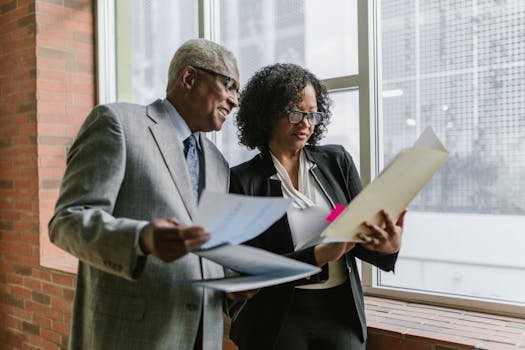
x: 194, y: 243
x: 174, y: 221
x: 364, y: 238
x: 389, y: 223
x: 376, y: 231
x: 189, y: 232
x: 349, y: 246
x: 401, y: 219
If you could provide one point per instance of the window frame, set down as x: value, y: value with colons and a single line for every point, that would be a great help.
x: 366, y: 81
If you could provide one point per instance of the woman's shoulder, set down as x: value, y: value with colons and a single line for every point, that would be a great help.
x: 331, y: 151
x: 249, y: 166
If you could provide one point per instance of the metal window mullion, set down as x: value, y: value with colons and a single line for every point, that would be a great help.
x: 209, y: 12
x: 369, y: 104
x: 105, y: 46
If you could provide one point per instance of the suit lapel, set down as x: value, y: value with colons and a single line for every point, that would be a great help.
x: 170, y: 148
x: 215, y: 180
x: 329, y: 186
x: 279, y: 237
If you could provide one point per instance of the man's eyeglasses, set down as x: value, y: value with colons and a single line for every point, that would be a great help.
x: 296, y: 117
x: 229, y: 83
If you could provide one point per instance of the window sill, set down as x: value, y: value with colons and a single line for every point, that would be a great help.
x: 404, y: 325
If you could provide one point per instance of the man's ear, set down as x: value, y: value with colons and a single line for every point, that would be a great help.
x: 188, y: 77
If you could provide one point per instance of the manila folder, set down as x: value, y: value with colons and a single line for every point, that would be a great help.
x: 392, y: 189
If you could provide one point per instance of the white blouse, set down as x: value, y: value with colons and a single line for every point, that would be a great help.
x: 309, y: 207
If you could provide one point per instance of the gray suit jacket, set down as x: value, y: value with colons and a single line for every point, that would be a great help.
x: 127, y: 167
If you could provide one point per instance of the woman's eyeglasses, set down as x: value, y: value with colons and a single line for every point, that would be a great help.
x: 229, y: 83
x: 296, y: 117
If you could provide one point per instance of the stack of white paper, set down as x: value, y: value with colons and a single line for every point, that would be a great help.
x: 232, y: 219
x: 260, y: 268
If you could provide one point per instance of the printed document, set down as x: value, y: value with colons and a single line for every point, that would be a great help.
x: 258, y: 268
x: 234, y: 218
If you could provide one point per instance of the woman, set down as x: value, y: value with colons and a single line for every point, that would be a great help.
x: 284, y: 112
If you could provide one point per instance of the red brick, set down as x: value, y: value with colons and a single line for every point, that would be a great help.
x: 51, y: 335
x: 60, y: 303
x: 29, y: 347
x: 13, y: 323
x: 20, y: 292
x: 41, y: 274
x: 55, y: 86
x: 56, y: 75
x: 33, y: 284
x: 52, y: 162
x: 43, y: 322
x: 65, y: 280
x: 52, y: 289
x: 19, y: 313
x: 50, y: 41
x: 43, y: 8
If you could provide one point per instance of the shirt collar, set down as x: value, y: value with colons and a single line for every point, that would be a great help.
x: 181, y: 127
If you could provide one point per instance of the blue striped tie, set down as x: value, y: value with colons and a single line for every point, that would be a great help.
x: 192, y: 158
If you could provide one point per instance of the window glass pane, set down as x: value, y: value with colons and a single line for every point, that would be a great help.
x: 320, y: 35
x: 344, y: 124
x: 151, y: 32
x: 459, y: 66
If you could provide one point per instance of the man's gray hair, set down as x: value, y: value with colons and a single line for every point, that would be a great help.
x: 201, y: 53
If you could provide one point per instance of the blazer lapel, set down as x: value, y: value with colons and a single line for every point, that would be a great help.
x: 215, y: 180
x: 328, y: 186
x: 172, y: 153
x: 279, y: 239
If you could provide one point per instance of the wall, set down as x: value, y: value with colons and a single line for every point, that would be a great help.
x: 46, y: 88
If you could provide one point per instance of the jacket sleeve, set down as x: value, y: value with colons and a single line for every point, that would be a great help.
x: 354, y: 186
x: 83, y: 224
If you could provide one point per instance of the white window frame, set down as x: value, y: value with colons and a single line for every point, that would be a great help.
x: 367, y: 82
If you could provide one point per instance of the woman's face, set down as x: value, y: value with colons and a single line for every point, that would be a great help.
x: 287, y: 137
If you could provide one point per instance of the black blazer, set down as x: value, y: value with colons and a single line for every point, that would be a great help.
x: 259, y: 321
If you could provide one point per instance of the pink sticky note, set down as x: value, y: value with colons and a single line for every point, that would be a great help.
x: 335, y: 213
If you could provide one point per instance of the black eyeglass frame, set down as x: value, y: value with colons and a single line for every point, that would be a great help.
x: 229, y: 83
x: 313, y: 117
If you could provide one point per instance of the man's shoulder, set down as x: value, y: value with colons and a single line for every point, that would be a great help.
x: 213, y: 149
x: 122, y: 108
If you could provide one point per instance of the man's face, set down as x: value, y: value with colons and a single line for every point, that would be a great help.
x: 216, y: 94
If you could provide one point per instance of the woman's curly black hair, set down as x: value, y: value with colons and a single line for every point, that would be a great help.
x: 271, y: 91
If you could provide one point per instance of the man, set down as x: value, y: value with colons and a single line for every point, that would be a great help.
x: 125, y: 210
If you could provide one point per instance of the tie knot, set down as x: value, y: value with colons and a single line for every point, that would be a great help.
x: 189, y: 143
x: 190, y: 140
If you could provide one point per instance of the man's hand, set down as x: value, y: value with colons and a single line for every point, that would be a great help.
x: 326, y: 252
x: 385, y: 239
x: 168, y: 240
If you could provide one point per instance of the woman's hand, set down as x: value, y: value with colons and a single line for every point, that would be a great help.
x: 385, y: 239
x: 326, y: 252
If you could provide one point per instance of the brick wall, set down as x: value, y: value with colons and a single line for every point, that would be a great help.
x: 46, y: 88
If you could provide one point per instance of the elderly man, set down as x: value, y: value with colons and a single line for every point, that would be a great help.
x: 131, y: 187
